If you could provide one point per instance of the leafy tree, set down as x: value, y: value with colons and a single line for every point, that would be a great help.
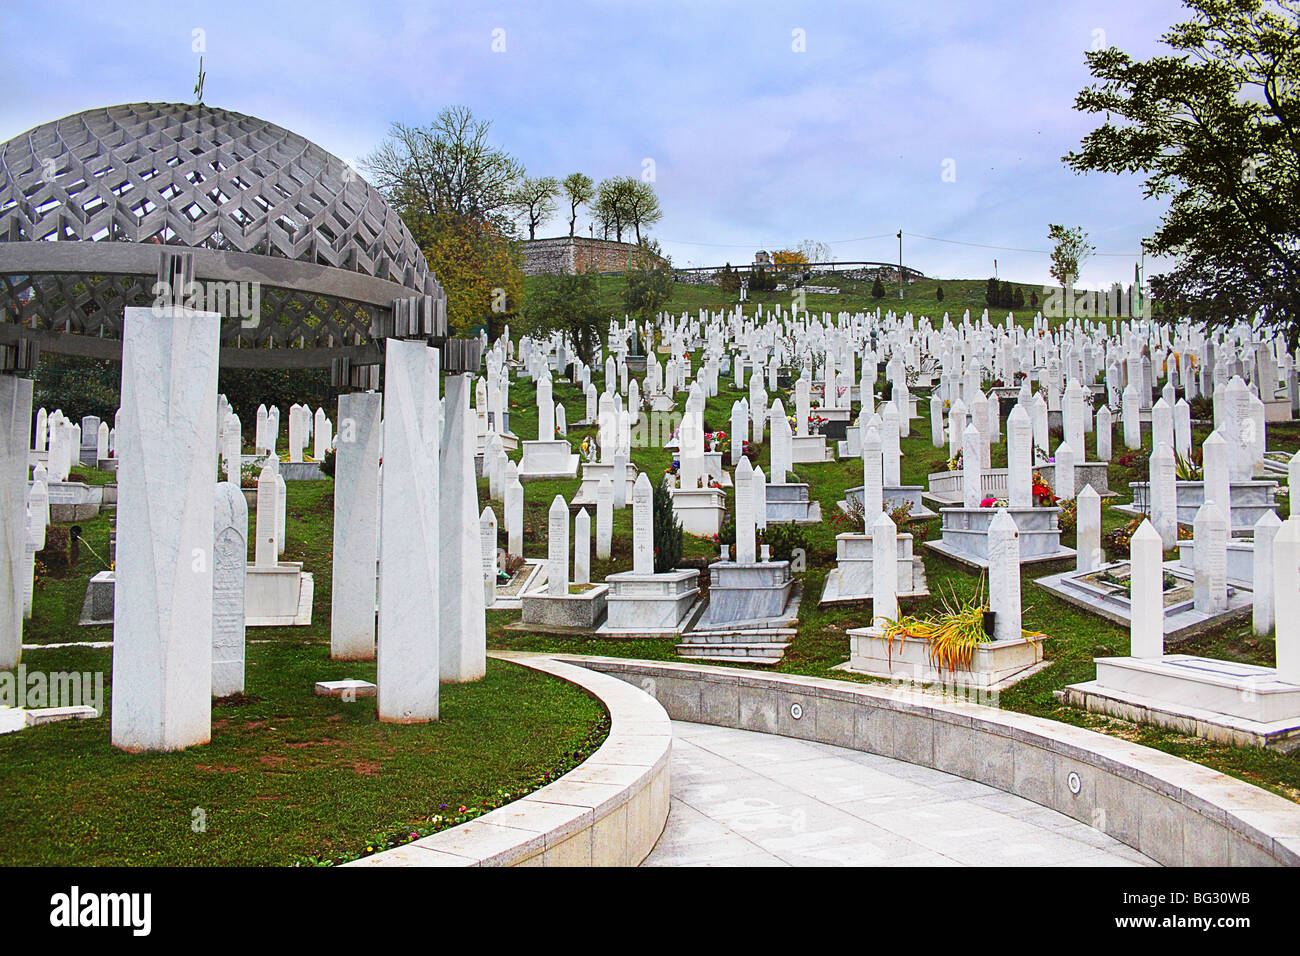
x: 570, y: 305
x: 760, y: 280
x: 579, y: 190
x: 480, y: 269
x: 447, y: 167
x: 647, y: 283
x: 534, y: 198
x: 1019, y: 301
x: 614, y: 204
x: 789, y: 257
x: 667, y: 529
x: 938, y: 293
x: 729, y: 281
x: 992, y: 293
x: 1070, y: 251
x: 642, y: 205
x: 1215, y: 129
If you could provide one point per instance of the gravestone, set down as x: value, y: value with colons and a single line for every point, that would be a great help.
x: 487, y: 542
x: 1089, y: 554
x: 229, y: 558
x: 356, y: 527
x: 557, y: 548
x: 643, y: 546
x: 1146, y: 594
x: 1004, y: 576
x: 1263, y: 616
x: 604, y: 518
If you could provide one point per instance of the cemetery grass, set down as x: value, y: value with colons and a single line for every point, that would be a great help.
x: 287, y: 775
x: 1074, y: 637
x: 918, y: 298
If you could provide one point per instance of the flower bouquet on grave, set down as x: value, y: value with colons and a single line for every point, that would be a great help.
x: 952, y: 635
x: 995, y: 503
x: 1042, y: 492
x: 954, y: 463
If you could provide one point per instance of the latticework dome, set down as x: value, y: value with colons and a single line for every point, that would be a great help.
x: 88, y: 203
x: 199, y: 176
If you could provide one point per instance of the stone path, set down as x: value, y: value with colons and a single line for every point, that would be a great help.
x: 747, y: 799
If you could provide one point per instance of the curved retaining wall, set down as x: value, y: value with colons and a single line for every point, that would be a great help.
x: 1176, y: 812
x: 609, y: 811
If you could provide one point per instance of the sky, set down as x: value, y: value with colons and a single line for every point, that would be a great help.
x: 762, y: 124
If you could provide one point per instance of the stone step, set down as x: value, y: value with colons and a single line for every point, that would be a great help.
x: 740, y: 636
x: 769, y: 653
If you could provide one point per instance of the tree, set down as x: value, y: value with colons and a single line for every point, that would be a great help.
x: 938, y: 293
x: 1018, y: 302
x: 667, y: 529
x: 877, y: 289
x: 448, y: 166
x: 1215, y: 130
x: 1033, y: 301
x: 648, y: 282
x: 570, y: 305
x: 480, y: 269
x: 789, y: 257
x: 579, y: 190
x: 992, y: 293
x: 1070, y: 251
x: 642, y: 205
x: 534, y: 198
x: 814, y: 251
x: 614, y: 204
x: 729, y: 281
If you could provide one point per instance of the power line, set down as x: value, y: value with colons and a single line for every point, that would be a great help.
x: 890, y: 235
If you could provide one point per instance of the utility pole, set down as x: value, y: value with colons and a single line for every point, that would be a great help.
x: 900, y: 264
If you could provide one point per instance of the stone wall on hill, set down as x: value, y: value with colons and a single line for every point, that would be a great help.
x: 571, y: 255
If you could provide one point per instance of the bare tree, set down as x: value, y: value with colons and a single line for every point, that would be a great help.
x: 534, y: 198
x: 447, y: 167
x: 642, y: 206
x: 579, y: 190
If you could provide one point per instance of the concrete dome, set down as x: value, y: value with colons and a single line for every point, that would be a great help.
x: 198, y: 176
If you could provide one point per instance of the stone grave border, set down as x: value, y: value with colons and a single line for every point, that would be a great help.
x: 609, y: 811
x: 1174, y: 811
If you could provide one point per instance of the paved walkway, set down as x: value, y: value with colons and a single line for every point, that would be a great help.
x: 746, y: 799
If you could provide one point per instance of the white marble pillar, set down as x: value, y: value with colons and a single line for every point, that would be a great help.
x: 487, y: 540
x: 356, y: 527
x: 884, y: 570
x: 643, y: 542
x: 1263, y: 617
x: 760, y: 499
x: 1004, y: 576
x: 582, y: 548
x: 1088, y: 552
x: 15, y: 431
x: 1146, y: 596
x: 162, y: 615
x: 1064, y: 475
x: 746, y: 544
x: 1105, y: 433
x: 1162, y: 491
x: 410, y: 537
x: 557, y: 548
x: 604, y: 518
x: 230, y: 561
x: 971, y: 474
x: 514, y: 507
x: 463, y: 639
x: 1210, y: 581
x: 1286, y: 589
x: 1020, y: 473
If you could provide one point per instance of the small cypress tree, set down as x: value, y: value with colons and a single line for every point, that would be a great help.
x: 877, y: 289
x: 667, y: 529
x: 992, y: 294
x: 938, y: 293
x: 1019, y: 302
x: 1033, y: 301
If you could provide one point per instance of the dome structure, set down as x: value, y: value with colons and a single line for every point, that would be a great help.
x: 93, y: 205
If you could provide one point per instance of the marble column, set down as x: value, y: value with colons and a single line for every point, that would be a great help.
x: 15, y: 433
x: 463, y: 641
x: 162, y: 626
x: 356, y: 527
x: 410, y: 537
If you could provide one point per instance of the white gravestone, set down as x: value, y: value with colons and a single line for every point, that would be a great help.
x: 162, y: 614
x: 582, y: 548
x: 356, y: 527
x: 1146, y: 568
x: 643, y: 546
x: 557, y: 548
x: 1004, y: 576
x: 230, y: 560
x: 487, y: 542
